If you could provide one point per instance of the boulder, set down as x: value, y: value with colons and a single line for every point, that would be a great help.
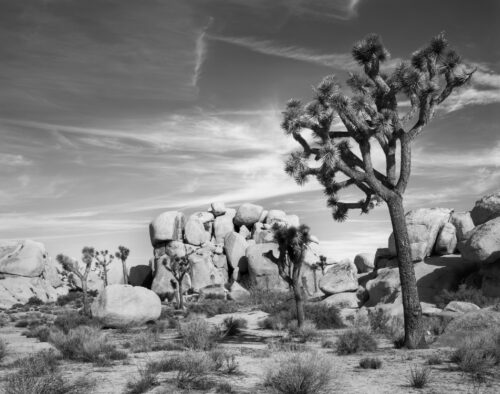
x: 235, y: 247
x: 382, y: 253
x: 263, y: 236
x: 167, y: 226
x: 23, y: 258
x: 125, y: 305
x: 384, y: 288
x: 446, y: 242
x: 203, y: 216
x: 195, y: 233
x: 245, y: 232
x: 220, y: 261
x: 463, y: 224
x: 461, y: 307
x: 238, y: 293
x: 276, y: 216
x: 247, y: 214
x: 343, y: 300
x: 339, y: 278
x: 19, y: 289
x: 164, y: 283
x: 364, y: 262
x: 263, y: 216
x: 223, y: 224
x: 292, y: 221
x: 485, y: 209
x: 204, y: 273
x: 482, y: 243
x: 218, y: 208
x: 263, y: 273
x: 51, y: 274
x: 423, y: 226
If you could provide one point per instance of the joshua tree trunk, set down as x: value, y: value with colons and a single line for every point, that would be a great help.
x: 414, y: 331
x: 125, y: 275
x: 86, y: 306
x: 181, y: 297
x: 299, y: 304
x: 105, y: 273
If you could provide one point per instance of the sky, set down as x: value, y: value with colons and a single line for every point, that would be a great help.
x: 113, y: 111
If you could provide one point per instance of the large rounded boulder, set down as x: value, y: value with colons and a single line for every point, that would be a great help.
x: 195, y: 232
x: 125, y: 305
x: 487, y: 208
x: 247, y: 214
x: 263, y: 273
x: 340, y: 278
x: 463, y: 224
x: 168, y: 226
x: 223, y: 224
x: 23, y: 258
x: 482, y: 243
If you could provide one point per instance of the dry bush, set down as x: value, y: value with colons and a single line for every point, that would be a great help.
x: 370, y: 363
x: 435, y: 359
x: 39, y: 374
x: 87, y: 344
x: 149, y: 341
x: 465, y: 294
x: 419, y: 377
x: 147, y: 378
x: 233, y: 326
x: 305, y: 333
x: 197, y: 334
x: 193, y: 370
x: 3, y: 349
x: 42, y: 333
x: 70, y: 319
x: 300, y: 373
x: 354, y: 341
x: 224, y: 361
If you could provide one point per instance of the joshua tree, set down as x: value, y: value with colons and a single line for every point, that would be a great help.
x: 320, y: 265
x: 88, y: 255
x: 179, y: 267
x: 122, y: 254
x: 103, y: 260
x: 292, y: 246
x: 371, y: 117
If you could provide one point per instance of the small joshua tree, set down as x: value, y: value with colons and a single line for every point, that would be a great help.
x: 320, y: 265
x: 371, y: 117
x: 88, y: 255
x: 103, y: 260
x: 292, y: 245
x: 179, y: 267
x: 122, y: 254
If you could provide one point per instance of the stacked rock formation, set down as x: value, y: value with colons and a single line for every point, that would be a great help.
x: 26, y: 271
x: 225, y: 247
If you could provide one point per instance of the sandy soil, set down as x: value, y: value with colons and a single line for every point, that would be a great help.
x: 255, y: 358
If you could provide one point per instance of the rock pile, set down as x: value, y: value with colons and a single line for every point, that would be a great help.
x: 27, y: 271
x: 226, y: 248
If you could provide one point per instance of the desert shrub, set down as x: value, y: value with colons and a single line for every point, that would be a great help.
x: 435, y: 359
x: 233, y: 326
x: 223, y: 361
x: 477, y: 354
x: 268, y: 300
x: 370, y: 363
x: 436, y: 324
x: 419, y: 377
x: 224, y: 388
x: 193, y: 370
x: 197, y: 334
x: 356, y: 340
x: 34, y: 301
x: 148, y: 341
x: 42, y: 333
x: 378, y: 320
x: 300, y: 373
x: 72, y: 319
x: 305, y: 333
x: 21, y: 324
x: 466, y: 294
x: 3, y: 349
x: 327, y: 344
x: 285, y: 345
x: 147, y: 378
x: 213, y: 307
x: 87, y: 344
x: 323, y: 316
x: 68, y: 298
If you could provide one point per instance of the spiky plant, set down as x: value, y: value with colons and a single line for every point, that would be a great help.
x: 292, y: 246
x: 371, y: 117
x: 71, y: 265
x: 103, y: 260
x: 122, y: 254
x: 179, y: 267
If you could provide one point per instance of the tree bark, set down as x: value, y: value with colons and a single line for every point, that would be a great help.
x: 86, y: 306
x: 125, y: 275
x: 105, y: 271
x: 181, y: 297
x: 414, y: 330
x: 299, y: 303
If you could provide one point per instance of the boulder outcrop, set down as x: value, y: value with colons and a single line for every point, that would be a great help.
x: 167, y: 226
x: 482, y: 243
x: 339, y: 278
x: 485, y: 209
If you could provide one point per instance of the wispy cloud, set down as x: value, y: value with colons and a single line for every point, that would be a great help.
x: 200, y: 52
x: 11, y: 160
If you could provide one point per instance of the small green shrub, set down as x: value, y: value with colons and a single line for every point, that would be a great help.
x: 34, y: 301
x: 224, y: 388
x: 466, y: 294
x: 87, y: 344
x: 435, y: 359
x: 370, y: 363
x: 72, y: 319
x: 21, y: 324
x: 233, y: 326
x: 3, y: 349
x: 213, y: 307
x: 193, y: 370
x: 354, y: 341
x: 301, y: 373
x: 197, y: 334
x: 223, y: 361
x: 70, y: 297
x: 477, y: 354
x: 419, y: 377
x: 305, y: 333
x: 146, y: 380
x: 323, y: 316
x: 42, y: 333
x: 327, y: 344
